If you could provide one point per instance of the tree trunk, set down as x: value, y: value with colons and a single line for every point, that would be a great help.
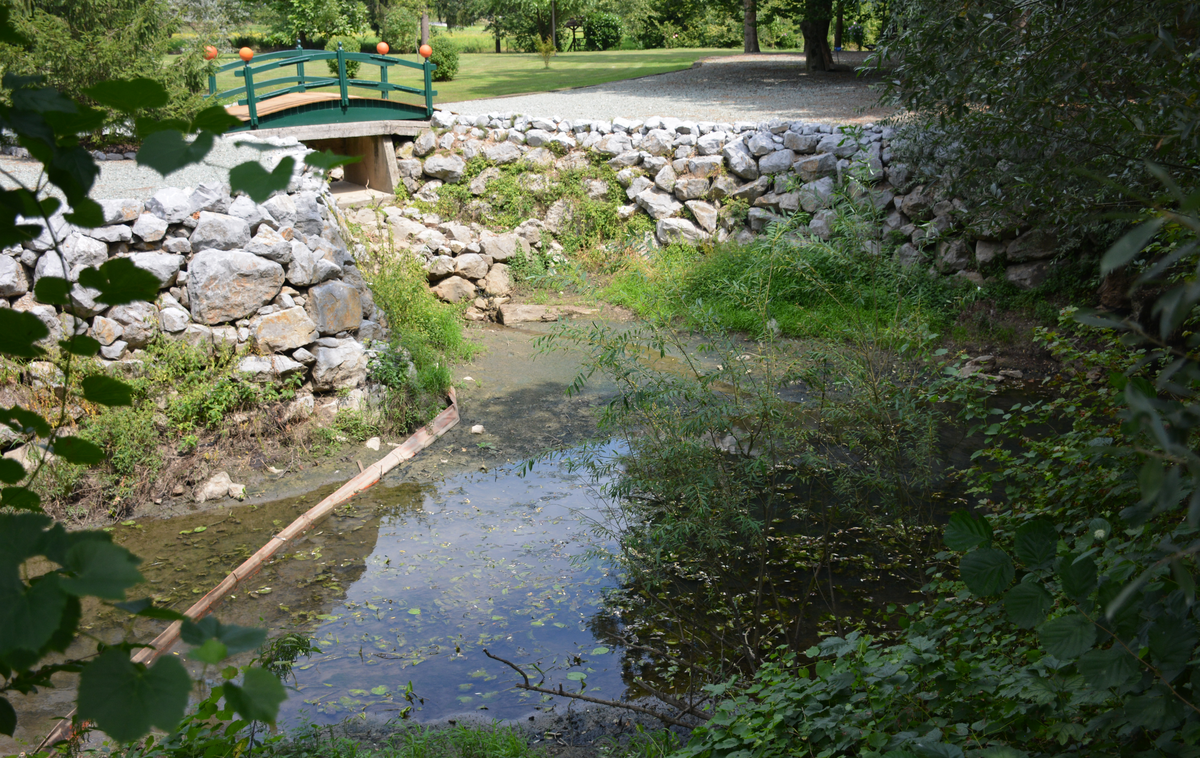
x: 750, y: 26
x: 839, y: 27
x: 497, y: 43
x: 424, y: 28
x: 554, y: 23
x: 817, y: 55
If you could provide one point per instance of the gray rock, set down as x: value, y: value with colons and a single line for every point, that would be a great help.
x: 425, y: 144
x: 470, y: 266
x: 817, y: 195
x: 1032, y: 245
x: 285, y: 330
x: 539, y: 157
x: 953, y: 255
x: 691, y: 188
x: 908, y: 255
x: 821, y: 224
x: 170, y: 204
x: 139, y: 321
x: 282, y: 208
x: 455, y: 290
x: 626, y: 159
x: 801, y: 143
x: 789, y: 201
x: 270, y: 244
x: 537, y: 137
x: 761, y: 218
x: 109, y: 234
x: 669, y: 230
x: 120, y: 211
x: 706, y: 167
x: 740, y: 161
x: 658, y: 142
x: 760, y: 143
x: 899, y: 176
x: 171, y: 320
x: 640, y: 184
x: 614, y: 144
x: 479, y: 184
x: 440, y: 267
x: 164, y: 266
x: 340, y: 367
x: 841, y: 145
x: 723, y: 186
x: 114, y: 351
x: 706, y: 214
x: 225, y: 285
x: 304, y: 356
x: 149, y: 228
x: 752, y: 191
x: 448, y: 168
x: 1028, y: 275
x: 917, y: 205
x: 519, y: 313
x: 309, y: 218
x: 503, y: 247
x: 334, y: 307
x: 198, y: 336
x: 814, y: 167
x: 502, y: 153
x: 268, y: 368
x: 711, y: 143
x: 13, y: 281
x: 658, y: 204
x: 106, y: 331
x: 210, y: 197
x: 498, y: 281
x: 45, y: 313
x: 986, y: 252
x: 665, y: 178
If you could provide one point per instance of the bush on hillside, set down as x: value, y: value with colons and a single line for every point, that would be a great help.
x: 602, y: 31
x: 401, y: 28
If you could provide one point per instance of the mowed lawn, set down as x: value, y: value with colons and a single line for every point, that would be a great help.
x: 482, y: 75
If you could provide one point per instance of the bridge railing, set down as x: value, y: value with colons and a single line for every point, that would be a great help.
x: 252, y: 71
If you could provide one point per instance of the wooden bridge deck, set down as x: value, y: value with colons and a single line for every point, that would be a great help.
x: 283, y: 102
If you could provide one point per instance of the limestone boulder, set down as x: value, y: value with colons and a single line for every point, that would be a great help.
x: 503, y: 247
x: 164, y: 266
x: 953, y: 255
x: 448, y: 168
x: 778, y: 162
x: 658, y: 142
x: 440, y: 267
x: 219, y: 231
x: 498, y: 280
x: 658, y: 204
x: 470, y: 266
x: 455, y: 290
x: 840, y: 145
x: 986, y: 252
x: 917, y: 205
x: 1032, y: 245
x: 171, y: 319
x: 691, y: 188
x: 110, y: 234
x: 13, y: 280
x: 340, y: 367
x: 334, y: 307
x: 120, y: 211
x: 705, y: 213
x: 309, y: 267
x: 1027, y: 276
x: 106, y: 331
x: 271, y: 244
x: 285, y: 330
x: 282, y: 209
x: 138, y: 320
x: 817, y: 195
x: 149, y: 228
x: 479, y: 184
x: 170, y: 204
x: 252, y: 213
x: 502, y: 153
x: 264, y: 369
x: 669, y: 230
x: 740, y: 161
x: 226, y: 285
x: 614, y: 144
x: 425, y: 144
x: 814, y: 167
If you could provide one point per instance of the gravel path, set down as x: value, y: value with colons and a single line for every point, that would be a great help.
x: 733, y: 88
x: 125, y: 179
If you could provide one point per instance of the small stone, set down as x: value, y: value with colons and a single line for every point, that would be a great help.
x: 477, y: 429
x: 215, y: 488
x: 372, y: 444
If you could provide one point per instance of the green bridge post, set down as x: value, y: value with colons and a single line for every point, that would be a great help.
x: 428, y: 89
x: 341, y: 59
x: 251, y: 104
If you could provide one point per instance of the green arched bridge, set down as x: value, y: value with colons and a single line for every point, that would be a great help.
x: 288, y: 100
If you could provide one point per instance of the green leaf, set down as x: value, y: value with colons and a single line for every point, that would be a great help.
x: 1156, y: 710
x: 20, y: 538
x: 24, y: 422
x: 328, y: 159
x: 259, y: 696
x: 1078, y: 576
x: 167, y: 151
x: 8, y: 717
x: 18, y: 332
x: 86, y: 213
x: 986, y: 571
x: 145, y: 607
x: 1130, y: 245
x: 42, y: 100
x: 257, y: 182
x: 80, y: 345
x: 215, y: 119
x: 966, y: 531
x: 1027, y: 604
x: 53, y: 290
x: 127, y: 699
x: 101, y: 569
x: 129, y: 95
x: 145, y: 125
x: 1104, y: 669
x: 104, y: 390
x: 20, y: 499
x: 1036, y: 543
x: 600, y: 651
x: 29, y: 615
x: 11, y: 472
x: 78, y: 450
x: 1172, y: 641
x: 236, y: 638
x: 576, y: 676
x: 1068, y: 637
x: 211, y: 651
x: 119, y: 282
x: 10, y: 36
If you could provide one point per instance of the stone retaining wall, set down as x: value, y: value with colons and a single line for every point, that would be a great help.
x: 272, y: 280
x: 666, y: 165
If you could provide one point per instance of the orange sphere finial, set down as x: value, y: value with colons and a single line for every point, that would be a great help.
x: 246, y: 54
x: 382, y: 48
x: 425, y: 51
x: 210, y: 52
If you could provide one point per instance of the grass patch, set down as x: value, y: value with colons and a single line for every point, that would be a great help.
x: 491, y: 75
x: 414, y: 742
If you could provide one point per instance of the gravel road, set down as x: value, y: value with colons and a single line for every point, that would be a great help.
x: 733, y: 88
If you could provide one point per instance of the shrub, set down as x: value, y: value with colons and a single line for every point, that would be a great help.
x: 602, y: 31
x: 445, y: 57
x: 545, y: 48
x: 401, y: 28
x: 349, y: 45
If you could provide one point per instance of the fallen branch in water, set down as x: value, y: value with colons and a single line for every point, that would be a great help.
x: 560, y: 692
